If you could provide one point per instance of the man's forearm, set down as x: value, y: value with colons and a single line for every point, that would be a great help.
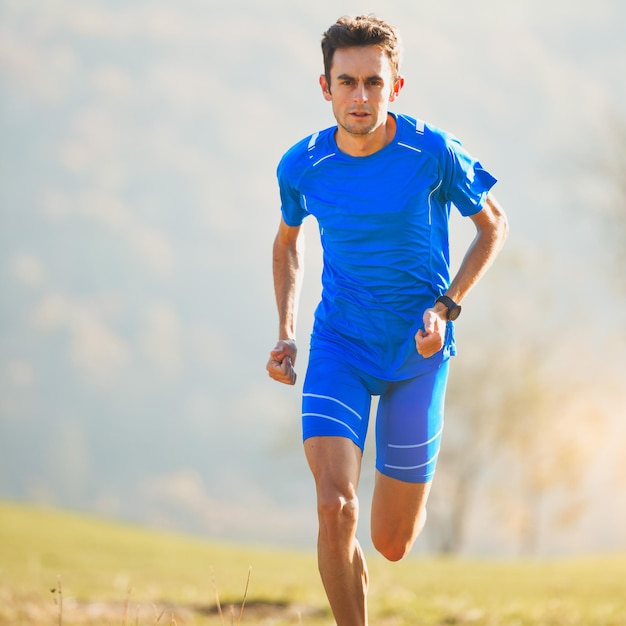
x: 492, y: 227
x: 288, y: 272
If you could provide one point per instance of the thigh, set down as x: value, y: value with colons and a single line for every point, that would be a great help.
x: 398, y: 515
x: 335, y: 463
x: 335, y: 400
x: 409, y: 426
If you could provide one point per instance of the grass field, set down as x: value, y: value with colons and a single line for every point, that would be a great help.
x: 118, y: 575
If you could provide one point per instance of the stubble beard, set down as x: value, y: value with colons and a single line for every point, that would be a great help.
x: 358, y: 130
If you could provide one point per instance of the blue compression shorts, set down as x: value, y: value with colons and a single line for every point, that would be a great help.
x: 336, y: 402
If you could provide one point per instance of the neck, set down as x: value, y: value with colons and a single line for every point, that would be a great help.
x: 364, y: 145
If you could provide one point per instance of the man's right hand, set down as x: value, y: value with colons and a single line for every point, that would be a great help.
x: 281, y: 362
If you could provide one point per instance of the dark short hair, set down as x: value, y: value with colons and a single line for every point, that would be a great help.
x: 363, y: 30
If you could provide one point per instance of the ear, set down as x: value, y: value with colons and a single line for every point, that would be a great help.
x: 397, y: 88
x: 325, y: 88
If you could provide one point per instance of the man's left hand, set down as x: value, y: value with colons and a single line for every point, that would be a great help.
x: 430, y: 340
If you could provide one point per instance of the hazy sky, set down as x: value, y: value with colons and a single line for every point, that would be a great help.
x: 138, y: 149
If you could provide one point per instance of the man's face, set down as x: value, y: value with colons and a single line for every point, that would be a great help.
x: 361, y: 88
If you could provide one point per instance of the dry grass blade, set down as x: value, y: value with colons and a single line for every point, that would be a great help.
x: 217, y: 598
x: 157, y: 615
x: 57, y: 593
x: 245, y: 595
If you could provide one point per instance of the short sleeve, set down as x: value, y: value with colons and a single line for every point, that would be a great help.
x: 466, y: 182
x: 292, y: 203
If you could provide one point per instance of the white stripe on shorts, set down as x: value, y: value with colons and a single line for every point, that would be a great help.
x: 345, y: 406
x: 332, y: 419
x: 398, y: 467
x: 417, y: 445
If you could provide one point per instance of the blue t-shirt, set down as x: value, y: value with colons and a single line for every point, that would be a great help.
x: 383, y: 222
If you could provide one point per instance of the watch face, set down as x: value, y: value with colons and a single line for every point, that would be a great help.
x: 454, y: 312
x: 454, y: 309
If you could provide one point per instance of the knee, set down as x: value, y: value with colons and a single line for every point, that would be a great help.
x: 338, y: 513
x: 394, y: 543
x: 392, y: 548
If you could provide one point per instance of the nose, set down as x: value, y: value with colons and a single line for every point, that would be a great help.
x: 360, y: 93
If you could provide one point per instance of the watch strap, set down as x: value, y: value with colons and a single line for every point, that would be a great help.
x: 454, y: 309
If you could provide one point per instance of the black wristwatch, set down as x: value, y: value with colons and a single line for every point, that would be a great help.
x: 454, y: 309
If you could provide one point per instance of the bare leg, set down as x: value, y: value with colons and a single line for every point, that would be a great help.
x: 398, y: 515
x: 336, y: 466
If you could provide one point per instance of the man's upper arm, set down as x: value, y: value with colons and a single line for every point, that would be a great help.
x: 287, y: 235
x: 491, y: 216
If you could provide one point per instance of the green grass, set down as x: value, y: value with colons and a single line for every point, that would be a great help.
x: 142, y: 573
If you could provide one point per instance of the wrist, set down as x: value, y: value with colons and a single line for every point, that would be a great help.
x: 447, y: 308
x: 441, y: 310
x: 286, y: 333
x: 287, y: 341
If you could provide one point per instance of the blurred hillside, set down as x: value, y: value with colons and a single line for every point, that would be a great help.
x: 138, y: 147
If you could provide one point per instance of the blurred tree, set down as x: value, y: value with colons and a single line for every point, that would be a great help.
x: 521, y: 435
x: 466, y: 454
x: 550, y: 433
x: 525, y: 419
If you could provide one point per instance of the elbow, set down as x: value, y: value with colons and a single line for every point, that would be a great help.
x: 499, y: 220
x: 503, y: 228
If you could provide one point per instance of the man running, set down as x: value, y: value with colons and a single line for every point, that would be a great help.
x: 381, y: 186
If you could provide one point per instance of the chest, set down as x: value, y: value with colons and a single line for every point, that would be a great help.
x: 382, y: 195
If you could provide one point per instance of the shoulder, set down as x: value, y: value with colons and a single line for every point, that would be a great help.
x: 423, y: 137
x: 307, y: 152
